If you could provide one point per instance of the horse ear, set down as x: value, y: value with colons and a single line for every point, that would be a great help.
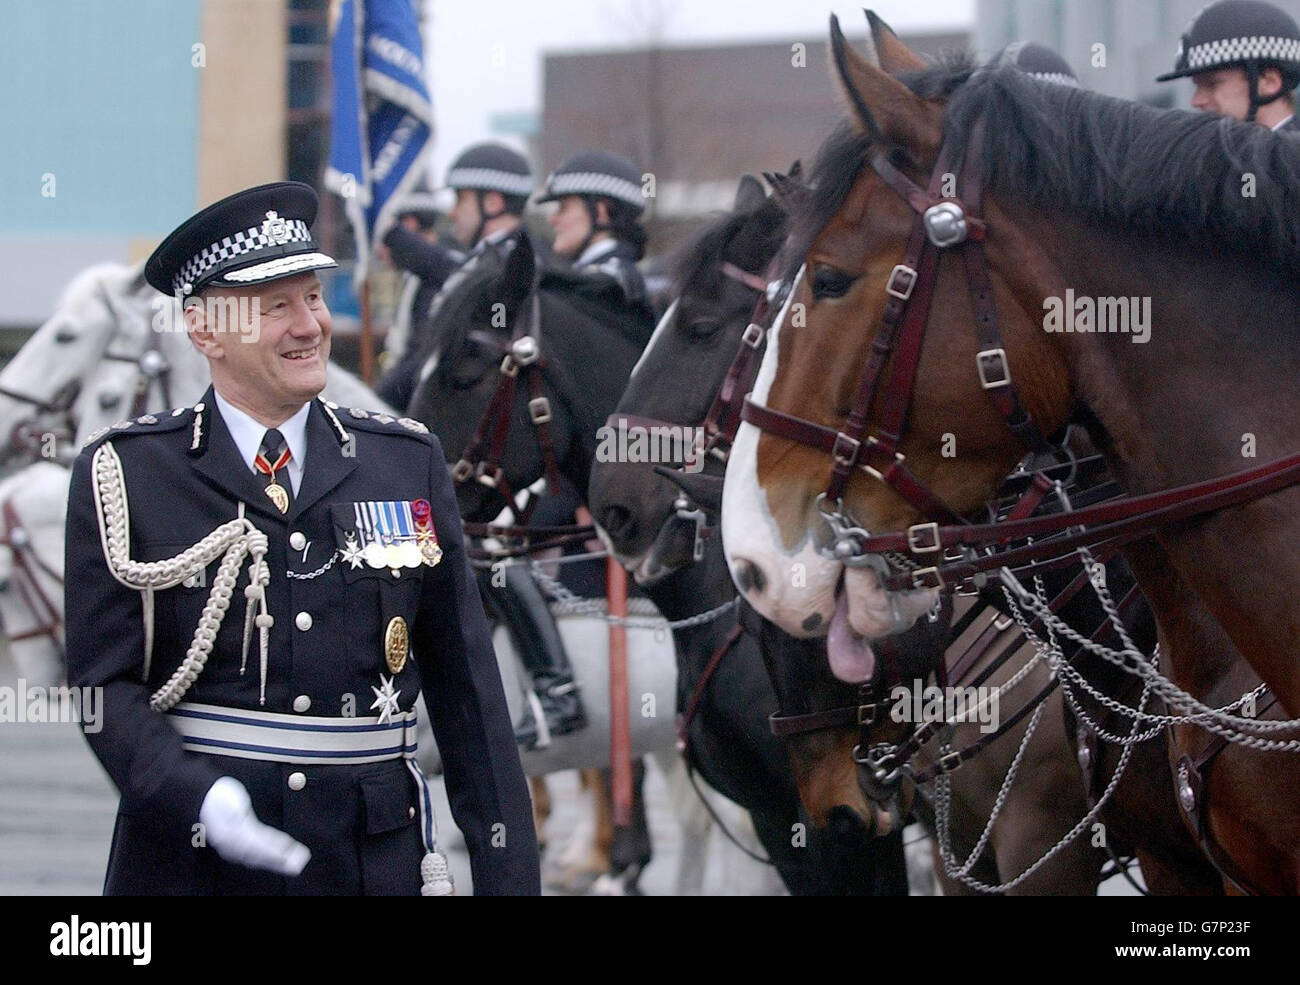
x: 796, y: 170
x: 750, y: 195
x: 518, y: 276
x: 788, y: 190
x: 892, y: 55
x: 884, y: 109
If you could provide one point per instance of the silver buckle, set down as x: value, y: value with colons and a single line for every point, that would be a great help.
x: 509, y: 365
x: 753, y: 336
x: 948, y: 762
x: 1002, y: 623
x: 539, y: 409
x: 867, y: 714
x: 927, y: 578
x: 462, y: 470
x: 923, y: 538
x: 998, y: 357
x: 839, y: 457
x: 905, y: 292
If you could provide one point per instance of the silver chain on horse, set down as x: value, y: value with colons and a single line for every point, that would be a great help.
x: 641, y: 612
x: 1233, y: 728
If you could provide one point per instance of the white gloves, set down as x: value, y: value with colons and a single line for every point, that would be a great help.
x: 234, y: 831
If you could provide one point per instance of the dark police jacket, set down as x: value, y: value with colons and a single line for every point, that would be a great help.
x: 361, y: 822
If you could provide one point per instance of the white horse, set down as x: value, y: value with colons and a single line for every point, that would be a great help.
x: 99, y: 359
x: 33, y: 504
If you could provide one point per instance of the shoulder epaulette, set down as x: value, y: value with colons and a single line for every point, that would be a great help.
x: 145, y: 424
x: 375, y: 420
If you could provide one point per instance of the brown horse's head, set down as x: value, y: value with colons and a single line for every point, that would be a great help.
x: 954, y: 439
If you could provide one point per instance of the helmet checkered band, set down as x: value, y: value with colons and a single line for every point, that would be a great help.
x: 491, y: 180
x: 1228, y: 51
x: 594, y: 183
x: 229, y: 247
x: 1059, y: 78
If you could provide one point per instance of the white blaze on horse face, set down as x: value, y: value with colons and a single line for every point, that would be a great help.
x: 794, y: 589
x: 670, y: 316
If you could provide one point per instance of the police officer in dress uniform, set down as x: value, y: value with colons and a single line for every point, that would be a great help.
x: 492, y: 185
x: 261, y: 583
x: 1244, y: 58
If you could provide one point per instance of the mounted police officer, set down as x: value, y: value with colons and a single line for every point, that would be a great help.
x: 492, y: 185
x: 1244, y: 58
x: 1038, y: 62
x: 412, y: 246
x: 597, y: 224
x: 262, y: 583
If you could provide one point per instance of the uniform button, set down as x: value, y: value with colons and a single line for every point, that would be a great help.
x: 301, y: 703
x: 303, y: 621
x: 297, y: 540
x: 410, y: 812
x: 297, y: 781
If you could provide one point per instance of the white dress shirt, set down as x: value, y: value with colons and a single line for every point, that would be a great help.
x: 248, y: 435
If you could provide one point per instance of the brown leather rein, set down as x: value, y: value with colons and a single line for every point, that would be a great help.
x: 950, y: 550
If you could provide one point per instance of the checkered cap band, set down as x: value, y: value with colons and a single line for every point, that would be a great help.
x: 1060, y: 78
x: 1228, y: 51
x: 491, y: 180
x: 595, y: 183
x: 230, y: 247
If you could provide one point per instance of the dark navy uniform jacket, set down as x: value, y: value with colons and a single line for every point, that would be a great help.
x: 359, y: 821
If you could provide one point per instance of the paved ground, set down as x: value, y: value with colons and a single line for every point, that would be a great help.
x: 57, y: 808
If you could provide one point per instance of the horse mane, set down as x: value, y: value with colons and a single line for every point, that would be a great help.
x: 695, y: 265
x: 1172, y: 174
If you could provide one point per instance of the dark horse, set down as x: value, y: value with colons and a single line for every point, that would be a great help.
x: 656, y: 539
x: 586, y: 360
x: 1108, y: 200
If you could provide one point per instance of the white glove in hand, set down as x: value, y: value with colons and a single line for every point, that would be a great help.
x: 234, y: 831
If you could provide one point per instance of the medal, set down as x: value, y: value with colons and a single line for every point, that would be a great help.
x: 278, y: 496
x: 397, y: 644
x: 274, y: 490
x: 425, y: 536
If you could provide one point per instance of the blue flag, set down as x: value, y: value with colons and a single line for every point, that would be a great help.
x: 383, y: 119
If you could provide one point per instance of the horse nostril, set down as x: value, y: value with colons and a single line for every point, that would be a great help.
x: 617, y: 522
x: 749, y: 576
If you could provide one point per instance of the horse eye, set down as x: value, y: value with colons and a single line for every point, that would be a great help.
x: 830, y: 282
x: 65, y: 335
x: 704, y: 329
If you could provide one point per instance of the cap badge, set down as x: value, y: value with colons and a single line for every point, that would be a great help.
x: 275, y: 229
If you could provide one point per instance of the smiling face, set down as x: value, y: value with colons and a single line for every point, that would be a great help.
x: 267, y: 345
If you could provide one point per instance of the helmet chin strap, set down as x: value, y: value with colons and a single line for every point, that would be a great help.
x: 596, y: 226
x: 483, y: 217
x: 1256, y: 100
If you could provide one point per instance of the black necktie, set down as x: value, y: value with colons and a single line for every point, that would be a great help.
x: 272, y: 462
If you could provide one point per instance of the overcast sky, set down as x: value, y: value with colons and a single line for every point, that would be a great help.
x: 485, y: 56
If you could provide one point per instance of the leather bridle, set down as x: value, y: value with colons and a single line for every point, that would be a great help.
x: 48, y: 612
x: 522, y: 362
x: 947, y: 551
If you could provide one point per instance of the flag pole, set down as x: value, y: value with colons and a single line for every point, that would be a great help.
x: 367, y: 336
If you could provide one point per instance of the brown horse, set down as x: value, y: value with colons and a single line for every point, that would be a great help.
x: 1089, y: 203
